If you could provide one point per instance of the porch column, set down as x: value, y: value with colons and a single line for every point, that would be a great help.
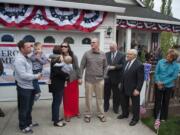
x: 128, y: 39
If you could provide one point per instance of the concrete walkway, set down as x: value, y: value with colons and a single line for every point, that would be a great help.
x: 42, y: 115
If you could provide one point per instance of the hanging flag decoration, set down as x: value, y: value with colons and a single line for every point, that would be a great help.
x: 64, y: 18
x: 133, y: 24
x: 15, y: 15
x: 39, y: 21
x: 91, y: 20
x: 36, y: 17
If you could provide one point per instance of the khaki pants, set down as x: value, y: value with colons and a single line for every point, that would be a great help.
x: 98, y: 88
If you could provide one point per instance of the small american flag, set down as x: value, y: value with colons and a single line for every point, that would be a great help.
x: 157, y: 124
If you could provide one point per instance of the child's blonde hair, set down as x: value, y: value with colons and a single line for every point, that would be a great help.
x: 68, y: 59
x: 36, y: 44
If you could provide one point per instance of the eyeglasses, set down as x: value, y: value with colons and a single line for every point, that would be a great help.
x: 64, y: 46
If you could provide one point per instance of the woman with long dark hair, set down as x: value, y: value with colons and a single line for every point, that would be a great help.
x: 71, y: 91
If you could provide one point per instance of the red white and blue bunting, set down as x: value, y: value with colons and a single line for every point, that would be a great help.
x: 147, y: 25
x: 91, y: 20
x: 36, y: 17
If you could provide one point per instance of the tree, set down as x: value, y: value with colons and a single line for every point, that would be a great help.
x: 166, y: 37
x: 166, y: 8
x: 149, y: 3
x: 169, y: 8
x: 163, y: 7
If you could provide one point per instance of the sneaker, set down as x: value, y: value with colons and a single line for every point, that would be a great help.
x: 27, y: 130
x: 34, y: 125
x: 163, y: 120
x: 37, y: 96
x: 1, y: 113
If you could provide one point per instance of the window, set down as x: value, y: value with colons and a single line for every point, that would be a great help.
x: 29, y: 38
x: 70, y: 40
x: 49, y: 39
x: 86, y: 41
x: 7, y: 38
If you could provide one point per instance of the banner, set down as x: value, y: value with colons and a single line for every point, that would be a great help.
x: 152, y: 26
x: 8, y: 53
x: 38, y: 17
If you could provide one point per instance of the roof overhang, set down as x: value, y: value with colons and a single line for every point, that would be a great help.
x: 75, y: 5
x: 147, y: 20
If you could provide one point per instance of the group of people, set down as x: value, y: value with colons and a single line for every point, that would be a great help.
x: 104, y: 72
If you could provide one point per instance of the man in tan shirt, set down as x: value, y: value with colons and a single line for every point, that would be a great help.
x: 94, y: 61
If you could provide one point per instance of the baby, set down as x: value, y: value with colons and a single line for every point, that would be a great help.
x: 38, y: 60
x: 66, y: 64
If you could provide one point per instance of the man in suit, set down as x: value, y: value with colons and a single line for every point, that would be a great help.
x: 115, y: 60
x: 132, y: 81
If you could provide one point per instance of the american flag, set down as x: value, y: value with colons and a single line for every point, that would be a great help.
x: 157, y: 124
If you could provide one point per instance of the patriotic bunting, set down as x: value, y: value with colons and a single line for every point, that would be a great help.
x: 36, y: 17
x: 148, y: 25
x: 15, y: 15
x: 91, y: 20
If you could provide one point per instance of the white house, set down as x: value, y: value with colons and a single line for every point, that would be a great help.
x: 77, y: 21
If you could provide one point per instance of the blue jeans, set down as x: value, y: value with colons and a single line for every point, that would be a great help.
x: 57, y: 99
x: 36, y: 83
x: 25, y: 103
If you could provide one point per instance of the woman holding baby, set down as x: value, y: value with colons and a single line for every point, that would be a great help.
x: 56, y: 85
x: 71, y: 91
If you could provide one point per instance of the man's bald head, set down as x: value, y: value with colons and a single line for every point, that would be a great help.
x: 113, y: 46
x: 95, y: 44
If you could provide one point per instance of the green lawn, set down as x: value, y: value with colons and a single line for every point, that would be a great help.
x: 170, y: 127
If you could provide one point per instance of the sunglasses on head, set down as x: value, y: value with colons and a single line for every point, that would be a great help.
x: 64, y: 46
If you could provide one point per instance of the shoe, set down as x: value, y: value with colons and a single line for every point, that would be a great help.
x: 122, y: 116
x: 33, y: 125
x: 37, y: 96
x: 78, y: 115
x: 163, y: 120
x: 102, y: 118
x: 133, y: 123
x: 27, y: 130
x: 2, y: 113
x: 60, y: 124
x: 67, y: 119
x: 87, y: 119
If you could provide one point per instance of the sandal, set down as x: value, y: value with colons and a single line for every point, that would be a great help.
x: 60, y: 124
x: 87, y: 119
x: 102, y: 118
x: 78, y: 115
x: 67, y: 119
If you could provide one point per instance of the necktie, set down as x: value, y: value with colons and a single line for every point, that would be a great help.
x: 112, y: 57
x: 128, y: 66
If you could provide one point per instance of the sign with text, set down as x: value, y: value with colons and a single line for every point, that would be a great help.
x: 8, y: 53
